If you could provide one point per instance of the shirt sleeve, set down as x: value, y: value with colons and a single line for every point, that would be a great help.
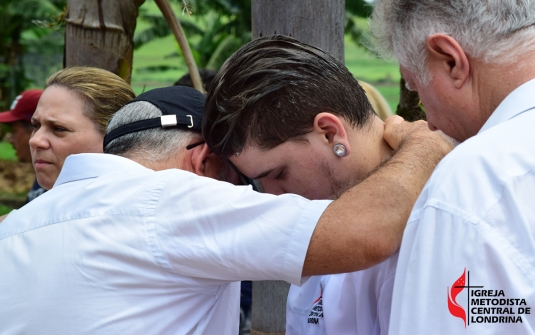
x: 215, y: 230
x: 453, y: 274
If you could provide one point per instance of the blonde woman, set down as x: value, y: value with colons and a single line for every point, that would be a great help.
x: 72, y: 115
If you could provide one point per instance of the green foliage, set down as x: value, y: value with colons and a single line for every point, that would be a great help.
x: 159, y: 28
x: 359, y: 8
x: 208, y: 37
x: 218, y: 41
x: 24, y: 26
x: 238, y: 12
x: 354, y: 11
x: 5, y: 209
x: 7, y: 153
x: 219, y: 28
x: 228, y: 27
x: 225, y: 48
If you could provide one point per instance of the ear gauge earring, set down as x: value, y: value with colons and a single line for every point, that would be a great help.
x: 340, y: 150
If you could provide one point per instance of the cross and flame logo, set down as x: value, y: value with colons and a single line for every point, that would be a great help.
x: 454, y: 308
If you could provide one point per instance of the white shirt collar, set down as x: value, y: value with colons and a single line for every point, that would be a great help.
x: 517, y: 102
x: 85, y: 166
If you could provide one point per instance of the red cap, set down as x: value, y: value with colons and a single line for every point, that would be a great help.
x: 22, y: 107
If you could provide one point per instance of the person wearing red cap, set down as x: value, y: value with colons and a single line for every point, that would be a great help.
x: 18, y: 117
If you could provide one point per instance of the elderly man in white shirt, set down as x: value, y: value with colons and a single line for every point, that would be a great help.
x: 467, y: 260
x: 127, y: 243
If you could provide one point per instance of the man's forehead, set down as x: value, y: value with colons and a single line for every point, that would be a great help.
x: 256, y: 162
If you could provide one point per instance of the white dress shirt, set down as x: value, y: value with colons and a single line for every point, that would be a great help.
x: 342, y: 304
x: 115, y: 248
x: 468, y: 253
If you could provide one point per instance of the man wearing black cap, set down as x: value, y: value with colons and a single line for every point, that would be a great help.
x: 127, y: 243
x: 18, y: 117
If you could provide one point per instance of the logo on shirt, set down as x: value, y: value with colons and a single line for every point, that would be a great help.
x: 483, y: 306
x: 454, y: 308
x: 316, y: 312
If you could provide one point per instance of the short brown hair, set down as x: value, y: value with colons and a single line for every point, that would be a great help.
x: 103, y: 92
x: 270, y: 91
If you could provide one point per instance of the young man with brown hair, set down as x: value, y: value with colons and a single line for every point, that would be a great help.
x: 293, y: 117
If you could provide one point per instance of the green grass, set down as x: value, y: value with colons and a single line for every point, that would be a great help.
x: 7, y: 153
x: 365, y: 66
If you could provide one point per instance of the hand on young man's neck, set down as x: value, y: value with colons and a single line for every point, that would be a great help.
x: 369, y: 148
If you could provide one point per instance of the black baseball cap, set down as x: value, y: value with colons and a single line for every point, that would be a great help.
x: 181, y: 107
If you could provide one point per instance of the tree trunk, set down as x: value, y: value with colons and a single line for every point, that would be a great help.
x: 99, y: 33
x: 315, y: 22
x: 409, y: 104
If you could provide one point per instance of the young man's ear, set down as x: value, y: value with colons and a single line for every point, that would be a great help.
x: 204, y: 162
x: 331, y: 129
x: 446, y: 55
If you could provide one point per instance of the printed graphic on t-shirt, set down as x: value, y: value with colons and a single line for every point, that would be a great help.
x: 316, y: 312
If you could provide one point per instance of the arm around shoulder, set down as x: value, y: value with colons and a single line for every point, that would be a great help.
x: 365, y: 225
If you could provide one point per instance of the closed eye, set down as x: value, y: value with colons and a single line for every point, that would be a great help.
x: 281, y: 174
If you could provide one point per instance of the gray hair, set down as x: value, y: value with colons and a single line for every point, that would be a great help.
x: 151, y: 145
x: 493, y: 31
